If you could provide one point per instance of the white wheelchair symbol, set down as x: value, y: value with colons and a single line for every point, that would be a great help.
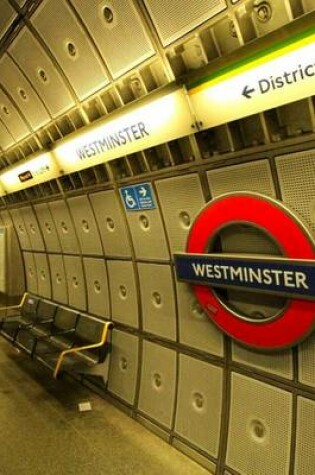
x: 129, y: 200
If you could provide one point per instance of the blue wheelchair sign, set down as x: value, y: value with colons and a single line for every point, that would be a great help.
x: 138, y: 197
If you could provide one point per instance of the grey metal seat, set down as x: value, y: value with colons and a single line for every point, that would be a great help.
x: 23, y: 316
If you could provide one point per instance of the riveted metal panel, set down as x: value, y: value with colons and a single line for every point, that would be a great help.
x: 22, y: 93
x: 157, y: 387
x: 123, y: 41
x: 123, y: 370
x: 69, y: 31
x: 42, y: 73
x: 260, y: 428
x: 85, y: 225
x: 111, y: 223
x: 48, y: 227
x: 12, y: 118
x: 174, y: 18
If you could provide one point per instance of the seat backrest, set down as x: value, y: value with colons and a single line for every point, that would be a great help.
x: 45, y: 310
x: 65, y: 319
x: 29, y: 308
x: 89, y: 329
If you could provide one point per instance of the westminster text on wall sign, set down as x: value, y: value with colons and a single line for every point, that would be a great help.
x: 278, y: 75
x: 292, y: 276
x: 133, y: 128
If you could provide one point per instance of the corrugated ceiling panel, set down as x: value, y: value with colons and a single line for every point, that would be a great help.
x: 175, y: 18
x: 12, y: 118
x: 42, y: 73
x: 71, y: 47
x: 22, y: 93
x: 118, y: 32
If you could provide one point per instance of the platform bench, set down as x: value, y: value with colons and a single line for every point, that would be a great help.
x: 61, y: 338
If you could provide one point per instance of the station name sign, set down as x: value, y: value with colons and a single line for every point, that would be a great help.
x: 277, y: 276
x: 291, y: 275
x: 32, y: 172
x: 129, y: 130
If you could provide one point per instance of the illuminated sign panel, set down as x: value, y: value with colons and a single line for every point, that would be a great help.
x: 139, y: 127
x: 30, y: 173
x: 271, y: 78
x: 292, y: 276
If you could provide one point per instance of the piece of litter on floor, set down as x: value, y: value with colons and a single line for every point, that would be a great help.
x: 85, y: 406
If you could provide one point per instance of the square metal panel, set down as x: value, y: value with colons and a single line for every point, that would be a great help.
x: 43, y: 275
x: 75, y: 282
x: 307, y: 361
x: 47, y: 227
x: 199, y: 401
x: 97, y: 286
x: 195, y: 328
x: 279, y: 363
x: 260, y: 427
x: 305, y: 436
x: 32, y: 227
x: 22, y: 233
x: 181, y: 200
x: 157, y: 387
x: 296, y: 173
x: 123, y: 370
x: 123, y: 292
x: 85, y: 225
x: 148, y: 235
x: 79, y: 61
x: 12, y: 118
x: 111, y: 223
x: 253, y: 176
x: 30, y: 272
x: 42, y: 73
x: 64, y: 227
x: 157, y: 300
x: 175, y: 18
x: 122, y: 41
x: 58, y: 279
x: 22, y: 93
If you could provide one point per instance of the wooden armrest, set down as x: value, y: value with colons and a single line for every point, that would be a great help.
x: 78, y: 349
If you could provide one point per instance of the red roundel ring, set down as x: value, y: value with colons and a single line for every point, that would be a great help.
x: 297, y: 319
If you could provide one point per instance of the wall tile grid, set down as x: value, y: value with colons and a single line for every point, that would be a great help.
x: 170, y: 364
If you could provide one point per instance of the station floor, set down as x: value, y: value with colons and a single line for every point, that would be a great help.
x: 42, y: 431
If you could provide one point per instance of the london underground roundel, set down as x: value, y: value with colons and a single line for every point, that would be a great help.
x: 290, y: 275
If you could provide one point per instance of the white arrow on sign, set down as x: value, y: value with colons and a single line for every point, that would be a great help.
x: 143, y: 192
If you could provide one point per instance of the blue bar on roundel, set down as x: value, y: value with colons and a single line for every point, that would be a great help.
x: 290, y: 278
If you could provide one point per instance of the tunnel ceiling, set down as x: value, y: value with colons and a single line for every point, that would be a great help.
x: 66, y: 63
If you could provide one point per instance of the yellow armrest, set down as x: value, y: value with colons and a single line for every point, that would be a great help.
x: 16, y: 307
x: 78, y: 349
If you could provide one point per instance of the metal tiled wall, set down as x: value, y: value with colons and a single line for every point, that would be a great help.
x: 169, y: 364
